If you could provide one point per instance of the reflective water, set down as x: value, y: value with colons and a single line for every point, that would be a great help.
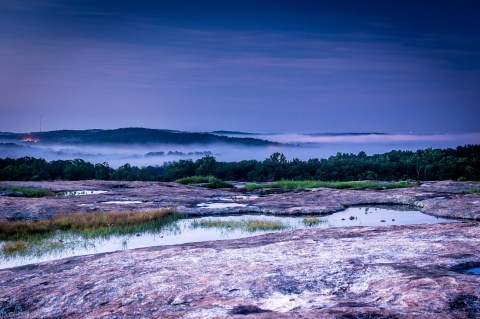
x: 123, y: 202
x: 238, y: 197
x: 221, y: 205
x: 473, y: 271
x: 65, y: 244
x: 82, y: 193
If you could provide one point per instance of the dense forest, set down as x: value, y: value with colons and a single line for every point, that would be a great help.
x: 462, y: 163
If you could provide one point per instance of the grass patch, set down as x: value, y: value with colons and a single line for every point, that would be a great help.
x: 14, y: 247
x: 358, y: 185
x: 473, y: 191
x: 194, y: 180
x: 251, y: 225
x: 89, y: 224
x: 209, y: 181
x: 29, y: 191
x: 313, y: 221
x: 69, y: 231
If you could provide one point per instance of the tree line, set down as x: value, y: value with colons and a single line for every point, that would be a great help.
x: 461, y: 163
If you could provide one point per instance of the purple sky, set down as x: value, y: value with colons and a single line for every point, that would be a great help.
x: 279, y: 66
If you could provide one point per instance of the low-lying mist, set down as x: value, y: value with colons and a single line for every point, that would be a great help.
x: 302, y: 146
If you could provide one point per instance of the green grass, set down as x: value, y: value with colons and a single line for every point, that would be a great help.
x: 473, y: 191
x: 313, y: 221
x: 358, y: 185
x: 14, y: 247
x: 251, y: 225
x: 151, y: 226
x: 63, y: 231
x: 194, y: 179
x: 96, y: 223
x: 29, y: 191
x: 209, y: 181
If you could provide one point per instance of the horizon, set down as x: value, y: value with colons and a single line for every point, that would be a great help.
x: 140, y: 146
x: 226, y: 131
x: 334, y: 66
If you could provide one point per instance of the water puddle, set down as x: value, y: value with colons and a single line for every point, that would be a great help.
x: 221, y: 205
x: 198, y: 229
x: 81, y: 193
x: 473, y: 271
x: 237, y: 197
x: 122, y: 202
x: 469, y: 268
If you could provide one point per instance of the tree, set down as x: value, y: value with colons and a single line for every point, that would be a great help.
x: 206, y: 165
x: 103, y: 171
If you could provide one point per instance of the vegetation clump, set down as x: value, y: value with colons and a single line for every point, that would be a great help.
x: 28, y: 191
x: 208, y: 181
x: 251, y: 225
x: 56, y: 234
x: 358, y: 185
x: 313, y: 221
x: 92, y: 224
x: 196, y: 179
x: 473, y: 191
x: 14, y: 247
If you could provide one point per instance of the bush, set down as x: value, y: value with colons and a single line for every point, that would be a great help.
x: 209, y: 181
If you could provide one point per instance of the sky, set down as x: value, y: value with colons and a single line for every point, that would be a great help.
x: 257, y: 66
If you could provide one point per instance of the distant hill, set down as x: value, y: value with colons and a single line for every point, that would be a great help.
x: 129, y: 136
x: 233, y: 133
x: 345, y: 134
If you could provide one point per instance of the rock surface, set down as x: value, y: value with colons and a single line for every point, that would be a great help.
x: 415, y: 271
x: 362, y: 272
x: 446, y: 199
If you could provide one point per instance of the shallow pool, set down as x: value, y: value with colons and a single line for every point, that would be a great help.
x: 122, y: 202
x: 65, y: 244
x: 82, y: 193
x: 473, y: 271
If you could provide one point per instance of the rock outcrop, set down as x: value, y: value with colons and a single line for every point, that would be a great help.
x: 445, y: 199
x: 415, y: 271
x: 361, y: 272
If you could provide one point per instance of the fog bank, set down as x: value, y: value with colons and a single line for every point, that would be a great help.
x: 302, y: 146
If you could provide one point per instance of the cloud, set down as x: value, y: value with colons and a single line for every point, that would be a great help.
x: 473, y: 138
x: 287, y: 79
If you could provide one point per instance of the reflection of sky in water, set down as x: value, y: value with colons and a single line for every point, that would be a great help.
x: 82, y: 193
x: 124, y: 202
x: 182, y: 232
x: 221, y: 205
x: 474, y: 271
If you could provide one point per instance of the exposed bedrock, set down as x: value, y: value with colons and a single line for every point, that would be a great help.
x: 446, y: 199
x: 415, y: 271
x: 362, y: 272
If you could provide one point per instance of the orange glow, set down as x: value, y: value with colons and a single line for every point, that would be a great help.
x: 31, y: 139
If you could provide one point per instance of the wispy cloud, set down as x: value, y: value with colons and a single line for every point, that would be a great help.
x: 104, y: 61
x: 458, y: 139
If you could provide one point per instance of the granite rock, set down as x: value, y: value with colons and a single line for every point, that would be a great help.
x: 360, y: 272
x: 445, y: 199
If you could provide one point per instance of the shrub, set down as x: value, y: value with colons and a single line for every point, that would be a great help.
x: 209, y: 181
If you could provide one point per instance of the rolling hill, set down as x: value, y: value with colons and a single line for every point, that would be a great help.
x: 129, y: 136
